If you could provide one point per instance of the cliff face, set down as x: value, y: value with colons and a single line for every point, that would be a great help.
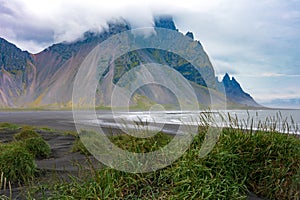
x: 46, y: 79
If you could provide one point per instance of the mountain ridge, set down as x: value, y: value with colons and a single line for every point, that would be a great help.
x: 46, y: 79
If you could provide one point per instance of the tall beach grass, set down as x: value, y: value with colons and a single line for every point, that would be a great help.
x: 248, y: 157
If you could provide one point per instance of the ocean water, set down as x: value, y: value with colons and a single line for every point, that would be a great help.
x: 286, y: 121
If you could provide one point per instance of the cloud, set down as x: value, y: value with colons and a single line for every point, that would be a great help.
x: 56, y: 21
x: 243, y: 37
x: 272, y: 74
x: 265, y: 88
x: 221, y: 24
x: 222, y: 67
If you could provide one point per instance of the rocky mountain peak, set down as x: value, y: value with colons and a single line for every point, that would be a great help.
x: 231, y: 83
x: 165, y: 22
x: 120, y: 26
x: 235, y: 83
x: 190, y: 34
x: 235, y: 92
x: 226, y: 78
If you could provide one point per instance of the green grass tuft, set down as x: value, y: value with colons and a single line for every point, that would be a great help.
x: 38, y: 147
x: 17, y: 158
x: 141, y: 145
x: 26, y: 134
x: 127, y: 142
x: 8, y: 126
x: 16, y: 163
x: 266, y: 163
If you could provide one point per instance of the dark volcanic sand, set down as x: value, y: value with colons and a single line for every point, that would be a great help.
x: 60, y: 120
x: 63, y: 120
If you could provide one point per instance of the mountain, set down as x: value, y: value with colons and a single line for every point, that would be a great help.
x: 235, y: 93
x: 46, y: 79
x: 165, y: 22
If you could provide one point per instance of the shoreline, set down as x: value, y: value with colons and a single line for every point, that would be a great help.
x: 64, y: 120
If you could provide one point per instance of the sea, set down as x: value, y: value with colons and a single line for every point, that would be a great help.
x: 285, y: 121
x: 282, y: 120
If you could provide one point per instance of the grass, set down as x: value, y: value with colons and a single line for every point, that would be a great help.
x: 26, y: 133
x: 17, y: 158
x: 264, y: 162
x: 4, y: 187
x: 8, y: 126
x: 78, y: 146
x: 17, y: 163
x: 247, y: 157
x: 38, y: 147
x: 128, y: 143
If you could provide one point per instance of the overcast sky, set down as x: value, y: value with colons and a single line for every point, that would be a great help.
x: 256, y: 41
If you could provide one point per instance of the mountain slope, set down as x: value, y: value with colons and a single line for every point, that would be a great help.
x: 17, y: 74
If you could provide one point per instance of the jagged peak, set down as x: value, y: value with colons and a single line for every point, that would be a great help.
x: 190, y: 34
x: 165, y: 21
x: 226, y: 77
x: 113, y: 27
x: 232, y: 81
